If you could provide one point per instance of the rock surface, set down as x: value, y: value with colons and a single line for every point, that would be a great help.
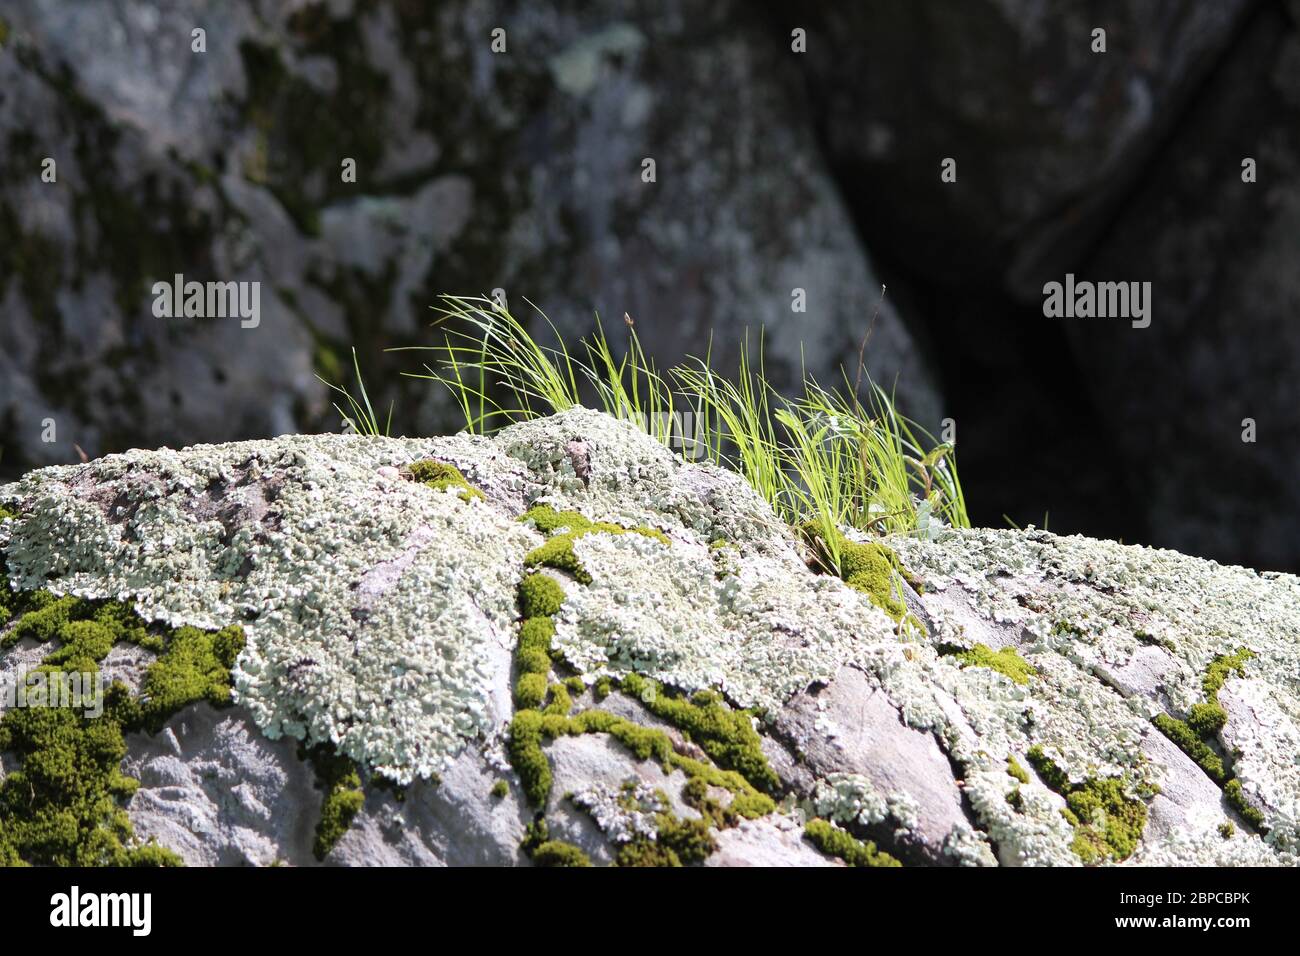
x: 476, y: 170
x: 380, y: 620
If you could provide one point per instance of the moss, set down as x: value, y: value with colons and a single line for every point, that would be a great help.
x: 558, y: 551
x: 1223, y: 667
x: 530, y: 728
x: 728, y: 736
x: 540, y: 595
x: 1006, y: 661
x: 1190, y: 742
x: 337, y: 776
x: 602, y: 688
x: 833, y: 841
x: 869, y: 567
x: 530, y: 690
x: 575, y: 685
x: 1108, y: 823
x: 500, y: 790
x: 1015, y: 769
x: 62, y: 805
x: 439, y: 476
x: 1203, y: 723
x: 1226, y: 829
x: 1236, y: 797
x: 195, y: 666
x: 560, y: 703
x: 677, y: 842
x: 559, y: 853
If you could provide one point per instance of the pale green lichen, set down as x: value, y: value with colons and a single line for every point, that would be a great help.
x: 372, y: 606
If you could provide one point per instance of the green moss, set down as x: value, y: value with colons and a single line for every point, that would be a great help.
x: 1108, y: 823
x: 558, y: 551
x: 439, y: 476
x: 869, y: 567
x: 559, y: 853
x: 602, y: 688
x: 1190, y: 742
x: 540, y: 595
x: 728, y: 736
x: 560, y: 703
x: 677, y: 842
x: 1016, y: 770
x: 1204, y: 721
x: 195, y: 666
x: 531, y: 728
x: 1006, y: 661
x: 1237, y: 799
x: 1226, y: 829
x: 1223, y: 667
x: 833, y: 841
x: 575, y: 685
x: 530, y: 690
x: 338, y: 777
x: 62, y: 805
x: 500, y: 789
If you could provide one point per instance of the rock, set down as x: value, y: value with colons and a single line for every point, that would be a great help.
x: 381, y: 625
x: 1221, y: 344
x: 475, y: 170
x: 1048, y: 135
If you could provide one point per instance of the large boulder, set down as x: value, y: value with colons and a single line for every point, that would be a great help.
x: 476, y: 169
x: 704, y: 696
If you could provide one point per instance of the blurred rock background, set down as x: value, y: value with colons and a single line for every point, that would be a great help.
x: 775, y: 170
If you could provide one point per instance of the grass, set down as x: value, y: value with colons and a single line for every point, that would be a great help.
x: 362, y: 418
x: 825, y: 457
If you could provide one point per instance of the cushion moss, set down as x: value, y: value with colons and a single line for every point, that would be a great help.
x: 62, y: 805
x: 1107, y: 822
x: 439, y: 475
x: 833, y: 841
x: 1006, y: 661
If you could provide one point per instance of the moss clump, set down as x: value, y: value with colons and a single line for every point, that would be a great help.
x: 1006, y: 661
x: 558, y: 551
x: 559, y: 853
x: 439, y: 476
x: 870, y: 567
x: 530, y: 728
x: 1226, y: 829
x: 500, y: 789
x: 61, y: 806
x: 1237, y: 799
x: 1015, y: 769
x: 677, y: 842
x: 530, y: 691
x: 1190, y: 742
x: 1107, y: 822
x: 1223, y: 667
x: 1204, y: 721
x: 833, y: 841
x: 337, y: 776
x: 726, y: 735
x: 602, y: 688
x: 194, y: 666
x: 540, y: 595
